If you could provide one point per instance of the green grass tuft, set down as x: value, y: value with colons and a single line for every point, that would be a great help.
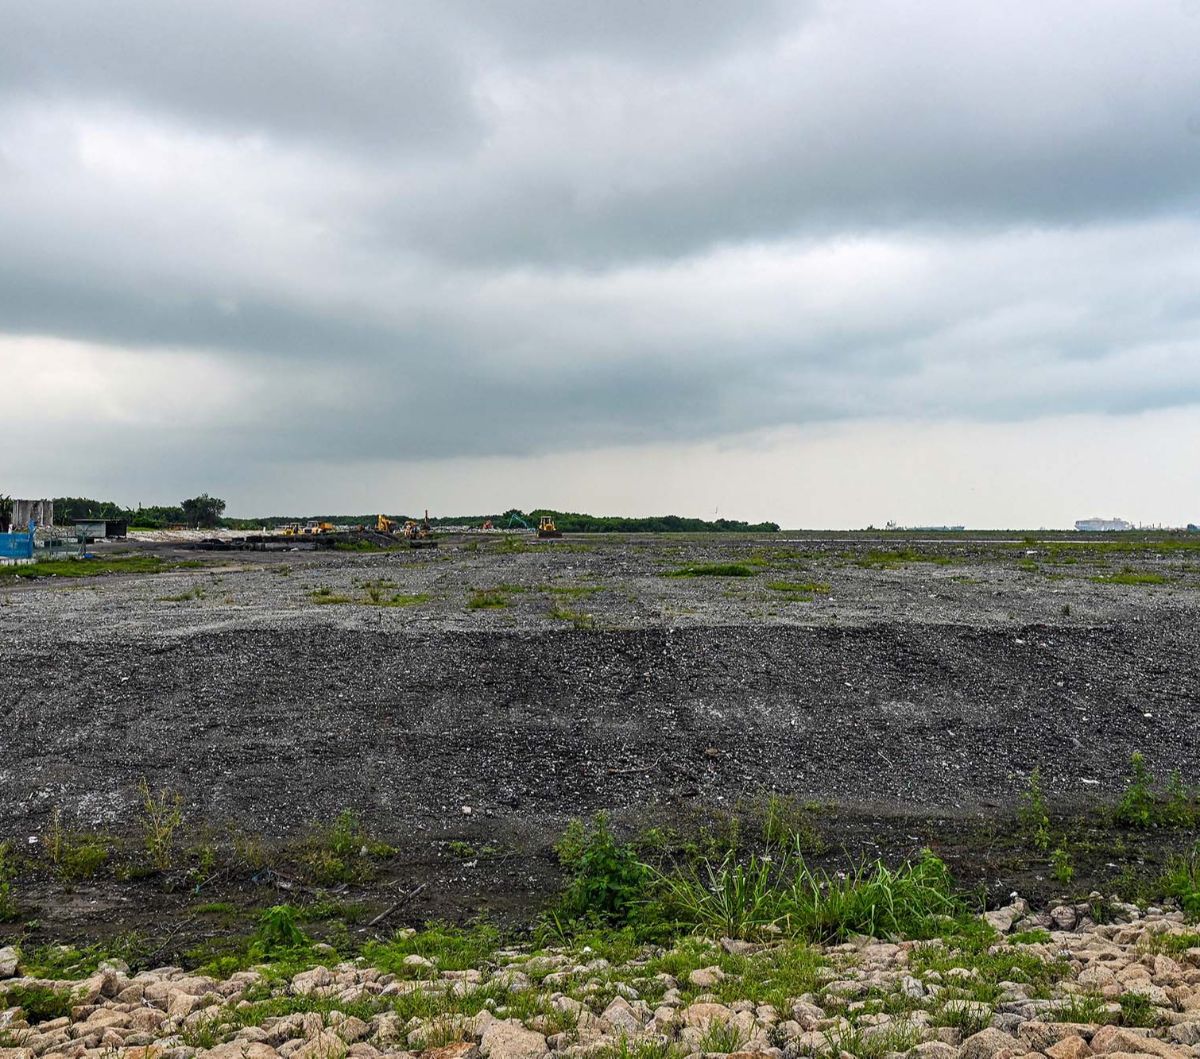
x: 714, y: 570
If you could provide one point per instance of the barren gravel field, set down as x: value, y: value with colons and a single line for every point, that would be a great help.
x: 466, y: 702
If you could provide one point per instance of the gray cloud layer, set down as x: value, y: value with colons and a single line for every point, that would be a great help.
x: 435, y: 225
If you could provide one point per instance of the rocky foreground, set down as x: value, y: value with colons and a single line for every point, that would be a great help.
x: 1122, y: 988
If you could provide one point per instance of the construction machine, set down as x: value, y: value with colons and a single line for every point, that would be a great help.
x: 419, y: 534
x: 383, y: 524
x: 547, y: 528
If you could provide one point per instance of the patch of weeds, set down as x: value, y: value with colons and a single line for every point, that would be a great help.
x: 866, y: 1042
x: 1033, y: 814
x: 196, y: 592
x: 8, y: 897
x: 509, y: 544
x: 361, y: 546
x: 134, y: 564
x: 1137, y: 1010
x: 487, y: 599
x: 714, y: 570
x: 990, y: 965
x: 1129, y: 576
x: 40, y: 1003
x: 341, y: 851
x: 577, y: 618
x: 325, y: 595
x: 451, y: 948
x: 1172, y: 944
x: 572, y: 591
x: 68, y: 963
x: 1082, y: 1007
x: 640, y: 1048
x: 277, y: 942
x: 326, y: 910
x: 775, y: 976
x: 803, y: 588
x: 964, y: 1017
x: 215, y: 908
x: 1142, y: 807
x: 74, y: 856
x: 162, y: 813
x: 1182, y: 881
x: 787, y: 824
x: 747, y: 899
x: 397, y: 599
x: 1036, y: 936
x: 723, y: 1038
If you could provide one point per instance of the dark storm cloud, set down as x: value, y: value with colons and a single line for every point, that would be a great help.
x: 622, y: 222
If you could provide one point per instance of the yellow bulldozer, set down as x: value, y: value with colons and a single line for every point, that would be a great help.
x: 547, y: 528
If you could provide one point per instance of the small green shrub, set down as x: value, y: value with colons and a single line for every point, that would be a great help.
x: 606, y: 878
x: 8, y: 897
x: 1061, y: 866
x: 1033, y: 814
x: 277, y: 930
x: 162, y: 813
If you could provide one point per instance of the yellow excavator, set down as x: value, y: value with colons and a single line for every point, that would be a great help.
x: 419, y: 534
x: 383, y: 524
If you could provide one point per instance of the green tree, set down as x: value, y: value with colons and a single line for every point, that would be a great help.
x: 203, y: 511
x: 6, y: 506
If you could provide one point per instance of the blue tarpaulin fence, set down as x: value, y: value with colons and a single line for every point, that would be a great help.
x: 16, y: 545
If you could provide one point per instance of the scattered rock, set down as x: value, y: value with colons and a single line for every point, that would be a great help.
x: 511, y: 1040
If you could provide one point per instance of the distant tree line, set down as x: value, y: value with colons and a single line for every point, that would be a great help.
x: 207, y: 512
x: 202, y: 512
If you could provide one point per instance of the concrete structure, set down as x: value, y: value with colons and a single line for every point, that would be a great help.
x: 1102, y: 525
x: 38, y: 511
x: 98, y: 529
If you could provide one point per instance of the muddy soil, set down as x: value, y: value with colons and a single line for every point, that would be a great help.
x: 909, y: 693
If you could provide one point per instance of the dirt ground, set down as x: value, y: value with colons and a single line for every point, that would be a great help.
x: 903, y: 690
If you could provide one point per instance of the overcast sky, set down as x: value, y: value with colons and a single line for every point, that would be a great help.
x: 827, y: 263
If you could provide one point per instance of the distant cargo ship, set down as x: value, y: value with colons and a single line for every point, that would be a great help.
x: 1102, y: 525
